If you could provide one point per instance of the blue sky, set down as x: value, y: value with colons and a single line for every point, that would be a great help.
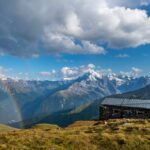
x: 32, y: 43
x: 31, y: 67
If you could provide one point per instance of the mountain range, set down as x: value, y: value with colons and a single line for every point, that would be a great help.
x: 52, y: 101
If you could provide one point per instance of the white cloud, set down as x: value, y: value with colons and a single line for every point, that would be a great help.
x: 136, y: 71
x: 123, y: 56
x: 1, y: 70
x: 35, y: 55
x: 45, y: 73
x: 4, y: 72
x: 129, y: 3
x: 145, y: 2
x: 58, y: 43
x: 75, y: 72
x: 75, y: 27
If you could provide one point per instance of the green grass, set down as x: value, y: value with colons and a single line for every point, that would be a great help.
x: 118, y: 134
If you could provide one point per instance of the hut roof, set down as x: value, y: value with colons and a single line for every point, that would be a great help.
x: 124, y: 102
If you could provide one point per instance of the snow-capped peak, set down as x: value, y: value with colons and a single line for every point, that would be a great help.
x: 93, y: 75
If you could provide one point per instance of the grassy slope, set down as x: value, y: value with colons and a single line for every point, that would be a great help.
x: 5, y: 128
x: 82, y: 135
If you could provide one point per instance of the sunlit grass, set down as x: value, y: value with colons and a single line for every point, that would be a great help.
x: 83, y: 135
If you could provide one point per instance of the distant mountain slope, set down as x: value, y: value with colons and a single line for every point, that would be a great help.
x: 143, y: 93
x: 91, y: 111
x: 38, y: 99
x: 64, y: 118
x: 84, y: 112
x: 14, y: 95
x: 84, y: 90
x: 80, y: 92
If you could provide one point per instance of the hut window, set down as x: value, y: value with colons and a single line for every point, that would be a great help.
x: 116, y: 111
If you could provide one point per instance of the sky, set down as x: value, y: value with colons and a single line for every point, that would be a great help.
x: 54, y: 40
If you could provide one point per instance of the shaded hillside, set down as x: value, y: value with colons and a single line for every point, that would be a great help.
x: 143, y: 93
x: 88, y: 111
x: 85, y: 112
x: 15, y: 95
x: 92, y: 110
x: 83, y: 135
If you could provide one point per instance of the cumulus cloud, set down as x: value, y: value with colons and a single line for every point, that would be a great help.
x: 145, y: 2
x: 134, y: 72
x: 74, y: 72
x: 129, y: 3
x: 36, y: 27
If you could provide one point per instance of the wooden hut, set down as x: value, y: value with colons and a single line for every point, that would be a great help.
x: 124, y: 108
